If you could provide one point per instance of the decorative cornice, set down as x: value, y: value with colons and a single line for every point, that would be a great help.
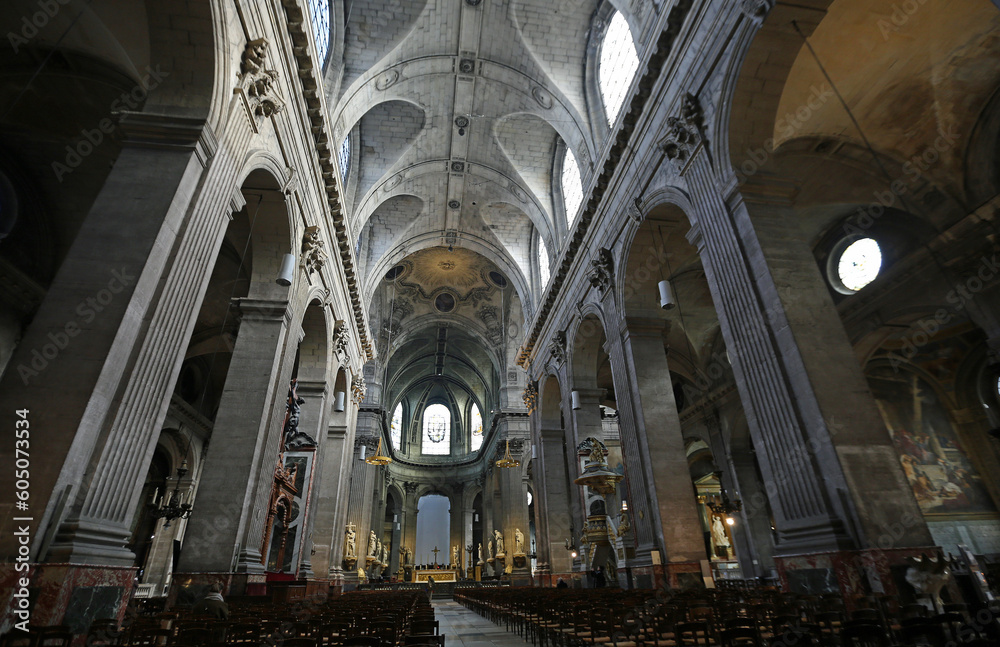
x: 654, y: 67
x: 557, y: 348
x: 298, y: 26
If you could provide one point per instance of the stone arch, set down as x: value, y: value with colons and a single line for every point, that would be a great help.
x: 586, y: 349
x: 550, y: 400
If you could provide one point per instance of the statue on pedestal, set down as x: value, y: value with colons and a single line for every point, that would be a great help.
x: 518, y: 542
x: 371, y: 543
x: 454, y: 556
x: 350, y: 544
x: 489, y: 548
x: 480, y: 553
x: 499, y: 537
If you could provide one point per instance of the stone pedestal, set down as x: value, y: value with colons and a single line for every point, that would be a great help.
x: 65, y: 594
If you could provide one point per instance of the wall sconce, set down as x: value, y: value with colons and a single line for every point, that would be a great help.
x: 339, y: 401
x: 287, y: 272
x: 574, y: 400
x: 666, y: 295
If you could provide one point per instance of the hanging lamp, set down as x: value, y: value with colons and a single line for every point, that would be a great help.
x: 508, y: 460
x: 379, y: 458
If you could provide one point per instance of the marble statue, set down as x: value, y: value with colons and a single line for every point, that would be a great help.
x: 499, y: 537
x: 719, y: 537
x: 489, y: 548
x: 518, y: 542
x: 480, y: 552
x: 409, y: 555
x: 350, y: 546
x: 371, y: 543
x: 454, y: 556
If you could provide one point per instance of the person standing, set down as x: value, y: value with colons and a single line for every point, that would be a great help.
x: 213, y: 604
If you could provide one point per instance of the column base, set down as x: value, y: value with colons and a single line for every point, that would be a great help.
x: 64, y: 594
x: 855, y: 573
x: 251, y: 562
x: 80, y: 541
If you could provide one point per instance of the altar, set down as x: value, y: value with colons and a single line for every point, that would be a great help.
x: 439, y: 575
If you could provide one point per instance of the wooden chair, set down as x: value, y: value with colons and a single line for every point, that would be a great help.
x: 739, y: 636
x: 863, y: 635
x: 698, y: 633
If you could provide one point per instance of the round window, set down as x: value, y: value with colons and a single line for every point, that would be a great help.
x: 444, y: 302
x: 856, y: 263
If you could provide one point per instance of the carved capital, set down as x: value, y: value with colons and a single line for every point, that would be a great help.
x: 602, y: 270
x: 358, y: 390
x: 313, y: 254
x: 684, y: 134
x: 756, y: 10
x: 557, y: 347
x: 259, y: 83
x: 530, y: 396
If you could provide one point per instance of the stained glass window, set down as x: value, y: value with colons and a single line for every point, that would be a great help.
x: 477, y: 429
x: 619, y: 63
x: 319, y: 13
x: 437, y: 430
x: 859, y: 264
x: 396, y: 427
x: 572, y: 185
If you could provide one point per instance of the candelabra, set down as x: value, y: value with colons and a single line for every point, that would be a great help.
x: 179, y: 506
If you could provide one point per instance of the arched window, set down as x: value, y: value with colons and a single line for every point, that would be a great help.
x: 344, y: 156
x: 396, y: 427
x: 319, y: 13
x: 477, y: 429
x: 618, y: 65
x: 543, y: 263
x: 437, y: 430
x: 572, y: 185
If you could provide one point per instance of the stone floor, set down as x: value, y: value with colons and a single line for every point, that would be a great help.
x: 463, y: 628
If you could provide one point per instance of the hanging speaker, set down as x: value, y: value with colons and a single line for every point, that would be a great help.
x: 339, y: 400
x: 666, y: 295
x: 287, y: 272
x: 574, y: 400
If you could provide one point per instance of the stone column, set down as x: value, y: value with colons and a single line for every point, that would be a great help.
x: 360, y: 502
x: 552, y: 493
x: 226, y: 528
x: 808, y: 461
x: 93, y: 328
x: 663, y: 460
x: 823, y: 373
x: 312, y: 420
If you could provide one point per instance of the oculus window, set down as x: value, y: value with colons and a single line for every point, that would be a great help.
x: 618, y: 65
x: 396, y: 427
x: 572, y: 185
x: 437, y: 430
x: 477, y: 429
x: 319, y: 13
x: 858, y: 264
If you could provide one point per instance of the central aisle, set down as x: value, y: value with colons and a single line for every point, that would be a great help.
x: 463, y: 628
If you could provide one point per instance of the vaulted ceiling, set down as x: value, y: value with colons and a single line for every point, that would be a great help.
x: 455, y: 111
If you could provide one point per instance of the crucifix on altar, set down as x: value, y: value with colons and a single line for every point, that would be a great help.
x: 436, y: 551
